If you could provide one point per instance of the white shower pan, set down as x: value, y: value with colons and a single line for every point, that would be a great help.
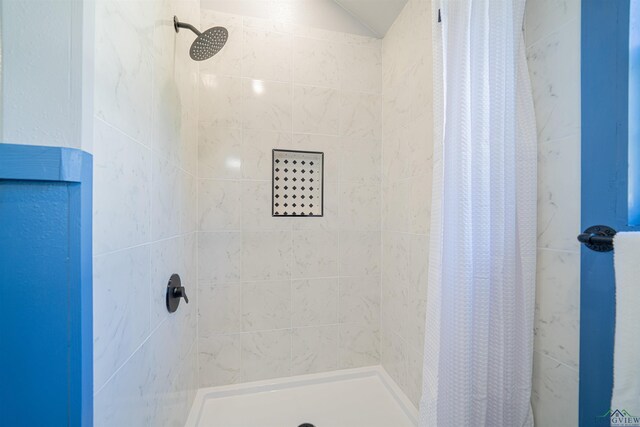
x: 363, y: 397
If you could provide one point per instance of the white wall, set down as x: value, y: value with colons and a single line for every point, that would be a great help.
x: 46, y: 78
x: 145, y: 167
x: 552, y: 34
x: 283, y: 296
x: 406, y: 190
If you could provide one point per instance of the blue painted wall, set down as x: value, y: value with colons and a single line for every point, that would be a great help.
x: 45, y: 266
x: 634, y: 112
x: 605, y: 61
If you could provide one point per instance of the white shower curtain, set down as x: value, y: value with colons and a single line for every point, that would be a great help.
x: 479, y: 326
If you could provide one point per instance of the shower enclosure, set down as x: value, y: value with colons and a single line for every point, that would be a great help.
x: 182, y: 130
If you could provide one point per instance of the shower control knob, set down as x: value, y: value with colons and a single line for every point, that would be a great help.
x: 181, y: 293
x: 175, y: 291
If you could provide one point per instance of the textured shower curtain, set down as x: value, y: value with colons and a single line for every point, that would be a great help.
x: 479, y: 326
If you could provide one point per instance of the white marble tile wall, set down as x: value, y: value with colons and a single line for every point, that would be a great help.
x: 406, y: 193
x: 552, y: 35
x: 286, y: 296
x: 145, y: 212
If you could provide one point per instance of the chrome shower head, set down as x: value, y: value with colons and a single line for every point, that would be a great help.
x: 207, y: 43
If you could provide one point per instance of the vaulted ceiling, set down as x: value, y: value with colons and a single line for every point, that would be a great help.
x: 366, y: 17
x: 377, y: 15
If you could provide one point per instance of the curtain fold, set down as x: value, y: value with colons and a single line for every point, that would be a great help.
x: 480, y: 302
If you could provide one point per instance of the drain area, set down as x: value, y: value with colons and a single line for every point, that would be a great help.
x: 306, y: 425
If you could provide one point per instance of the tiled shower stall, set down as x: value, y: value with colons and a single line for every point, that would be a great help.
x: 183, y: 168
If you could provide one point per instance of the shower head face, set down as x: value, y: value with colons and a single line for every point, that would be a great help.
x: 208, y: 43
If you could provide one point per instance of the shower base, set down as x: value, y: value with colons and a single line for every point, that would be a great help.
x: 346, y: 398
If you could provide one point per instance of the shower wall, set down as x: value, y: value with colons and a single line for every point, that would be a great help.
x: 552, y: 35
x: 145, y: 166
x: 406, y: 193
x: 285, y: 296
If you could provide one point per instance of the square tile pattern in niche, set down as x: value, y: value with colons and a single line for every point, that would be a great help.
x: 297, y: 183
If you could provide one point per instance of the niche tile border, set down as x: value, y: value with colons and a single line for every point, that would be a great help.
x: 297, y: 183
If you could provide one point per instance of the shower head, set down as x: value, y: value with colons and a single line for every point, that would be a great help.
x: 207, y: 43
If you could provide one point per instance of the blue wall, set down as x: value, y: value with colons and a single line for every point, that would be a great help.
x: 605, y: 65
x: 45, y: 287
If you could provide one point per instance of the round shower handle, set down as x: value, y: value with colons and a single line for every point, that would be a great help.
x: 175, y: 291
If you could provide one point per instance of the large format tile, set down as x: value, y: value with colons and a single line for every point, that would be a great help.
x: 359, y: 253
x: 554, y: 396
x: 417, y: 290
x: 394, y: 358
x: 314, y: 349
x: 266, y: 54
x: 219, y: 206
x: 266, y: 305
x: 359, y: 206
x: 124, y: 400
x: 266, y: 255
x: 219, y: 97
x: 219, y: 151
x: 220, y: 360
x: 316, y: 62
x: 123, y: 65
x: 266, y: 355
x: 361, y: 115
x: 189, y: 203
x: 166, y: 195
x: 314, y: 302
x: 315, y: 254
x: 554, y: 67
x: 315, y: 110
x: 558, y: 194
x: 361, y: 68
x: 120, y: 324
x: 220, y: 310
x: 395, y: 205
x: 360, y: 159
x: 360, y: 300
x: 266, y: 105
x: 543, y: 17
x: 557, y: 326
x: 219, y: 257
x: 359, y: 346
x: 122, y: 190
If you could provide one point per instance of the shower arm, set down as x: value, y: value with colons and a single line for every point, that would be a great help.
x: 177, y: 25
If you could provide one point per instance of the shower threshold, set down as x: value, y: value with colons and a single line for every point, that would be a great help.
x: 346, y: 398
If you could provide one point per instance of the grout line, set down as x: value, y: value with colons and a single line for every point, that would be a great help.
x: 382, y: 202
x: 242, y: 144
x: 147, y: 243
x: 133, y: 353
x: 320, y: 325
x: 564, y: 251
x: 574, y: 369
x: 292, y: 257
x: 553, y: 32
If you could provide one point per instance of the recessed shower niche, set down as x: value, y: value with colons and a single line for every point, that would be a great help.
x: 297, y: 183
